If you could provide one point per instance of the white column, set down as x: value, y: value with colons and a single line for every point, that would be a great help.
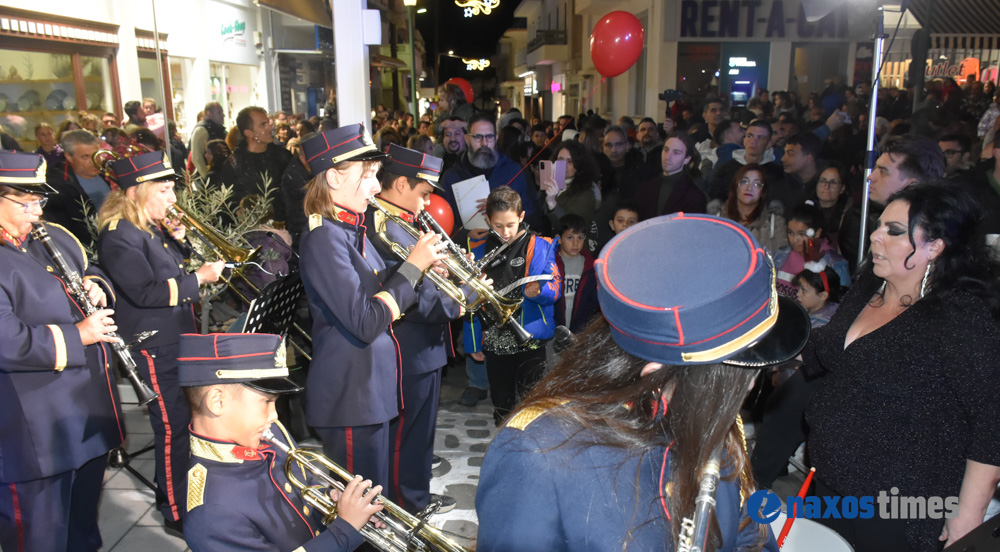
x: 128, y: 58
x: 353, y: 90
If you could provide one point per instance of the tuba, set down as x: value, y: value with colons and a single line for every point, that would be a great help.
x: 403, y: 531
x: 237, y: 258
x: 459, y: 266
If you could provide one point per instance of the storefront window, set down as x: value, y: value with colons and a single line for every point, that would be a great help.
x: 697, y: 63
x: 38, y: 87
x: 233, y: 87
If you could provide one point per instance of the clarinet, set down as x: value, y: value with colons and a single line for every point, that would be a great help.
x: 74, y: 283
x: 694, y: 531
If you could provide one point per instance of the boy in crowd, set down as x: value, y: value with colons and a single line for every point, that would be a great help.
x: 626, y: 214
x: 578, y: 303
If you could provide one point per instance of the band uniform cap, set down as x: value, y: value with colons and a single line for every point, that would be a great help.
x: 25, y: 172
x: 696, y: 289
x: 406, y: 162
x: 255, y: 360
x: 145, y: 167
x: 332, y: 147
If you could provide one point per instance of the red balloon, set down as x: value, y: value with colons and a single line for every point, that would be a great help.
x: 616, y: 43
x: 464, y: 85
x: 442, y: 213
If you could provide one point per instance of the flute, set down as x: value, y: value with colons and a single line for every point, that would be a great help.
x: 74, y: 283
x: 694, y: 531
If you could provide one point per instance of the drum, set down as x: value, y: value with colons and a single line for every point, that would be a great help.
x: 809, y: 536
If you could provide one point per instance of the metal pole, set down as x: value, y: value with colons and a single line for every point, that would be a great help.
x: 872, y: 154
x: 413, y: 68
x: 159, y: 69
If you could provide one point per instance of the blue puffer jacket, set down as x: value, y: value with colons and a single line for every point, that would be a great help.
x: 537, y: 314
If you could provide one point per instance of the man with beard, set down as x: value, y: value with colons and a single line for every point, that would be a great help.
x: 482, y: 158
x: 451, y: 144
x: 648, y: 142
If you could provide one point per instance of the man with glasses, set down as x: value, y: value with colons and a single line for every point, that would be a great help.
x: 756, y: 149
x: 622, y: 166
x: 957, y: 150
x: 482, y: 158
x: 59, y: 413
x: 80, y: 187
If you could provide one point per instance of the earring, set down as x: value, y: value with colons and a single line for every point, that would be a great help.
x: 927, y: 276
x: 881, y: 289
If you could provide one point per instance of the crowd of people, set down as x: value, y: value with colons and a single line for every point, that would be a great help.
x: 619, y: 242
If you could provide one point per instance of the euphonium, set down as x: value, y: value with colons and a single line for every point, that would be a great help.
x: 403, y: 531
x: 459, y: 267
x: 236, y: 258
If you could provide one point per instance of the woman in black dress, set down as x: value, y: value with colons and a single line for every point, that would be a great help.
x: 908, y: 403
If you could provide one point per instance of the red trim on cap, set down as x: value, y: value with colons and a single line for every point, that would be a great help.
x: 755, y: 313
x: 420, y: 166
x: 329, y: 147
x: 137, y: 169
x: 680, y: 329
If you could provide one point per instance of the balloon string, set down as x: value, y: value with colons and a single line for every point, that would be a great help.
x: 540, y: 150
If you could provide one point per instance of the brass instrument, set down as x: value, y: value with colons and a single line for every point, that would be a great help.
x: 403, y: 531
x: 459, y: 267
x: 237, y: 258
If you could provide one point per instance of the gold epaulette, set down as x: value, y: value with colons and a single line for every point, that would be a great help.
x: 315, y: 221
x: 113, y: 225
x: 525, y: 416
x: 77, y: 240
x: 197, y: 476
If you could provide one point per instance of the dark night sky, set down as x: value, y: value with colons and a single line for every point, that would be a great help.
x: 475, y: 37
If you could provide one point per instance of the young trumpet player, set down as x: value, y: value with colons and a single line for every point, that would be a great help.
x: 353, y: 386
x: 607, y: 451
x: 423, y: 334
x: 239, y: 496
x: 144, y: 254
x: 59, y: 407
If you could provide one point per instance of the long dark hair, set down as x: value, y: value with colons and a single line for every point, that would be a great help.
x: 587, y: 171
x: 598, y: 387
x: 945, y: 211
x: 732, y: 212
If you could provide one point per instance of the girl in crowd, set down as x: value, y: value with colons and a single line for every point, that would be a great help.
x: 748, y: 205
x: 806, y: 243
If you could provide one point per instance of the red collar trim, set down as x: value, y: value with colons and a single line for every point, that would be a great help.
x: 16, y: 242
x: 404, y: 213
x: 347, y: 216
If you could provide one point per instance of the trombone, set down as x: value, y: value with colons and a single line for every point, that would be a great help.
x: 403, y: 531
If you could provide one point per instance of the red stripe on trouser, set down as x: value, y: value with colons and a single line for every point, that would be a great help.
x: 17, y: 518
x: 350, y: 450
x: 167, y: 437
x: 395, y: 457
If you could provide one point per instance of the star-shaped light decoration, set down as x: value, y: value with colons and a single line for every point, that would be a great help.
x: 475, y: 7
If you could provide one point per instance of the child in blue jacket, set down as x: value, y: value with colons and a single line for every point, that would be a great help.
x: 527, y: 270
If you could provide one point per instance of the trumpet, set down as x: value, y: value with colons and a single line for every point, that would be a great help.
x: 501, y: 309
x: 403, y: 531
x: 237, y: 258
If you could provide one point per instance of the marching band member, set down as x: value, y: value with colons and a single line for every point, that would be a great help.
x: 239, y: 497
x: 59, y: 407
x: 606, y: 453
x: 353, y: 386
x: 424, y: 337
x: 145, y: 260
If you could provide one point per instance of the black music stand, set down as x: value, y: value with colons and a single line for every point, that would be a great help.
x: 273, y: 311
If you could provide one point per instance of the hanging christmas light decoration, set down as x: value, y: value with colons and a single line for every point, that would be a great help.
x: 475, y: 7
x: 476, y: 64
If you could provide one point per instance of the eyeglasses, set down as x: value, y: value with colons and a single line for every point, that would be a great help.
x: 952, y: 153
x: 828, y: 183
x: 489, y: 138
x: 615, y: 145
x: 758, y: 184
x: 40, y: 203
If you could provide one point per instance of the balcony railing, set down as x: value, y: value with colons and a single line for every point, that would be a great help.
x: 547, y: 37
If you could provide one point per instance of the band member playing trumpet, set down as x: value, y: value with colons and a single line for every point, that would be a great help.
x: 59, y: 408
x: 424, y: 337
x: 353, y: 386
x: 608, y: 450
x: 239, y: 497
x: 144, y: 255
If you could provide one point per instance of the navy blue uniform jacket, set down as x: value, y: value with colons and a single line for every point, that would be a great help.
x: 155, y: 291
x: 423, y: 333
x: 354, y: 379
x: 58, y: 400
x: 537, y: 493
x: 240, y: 499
